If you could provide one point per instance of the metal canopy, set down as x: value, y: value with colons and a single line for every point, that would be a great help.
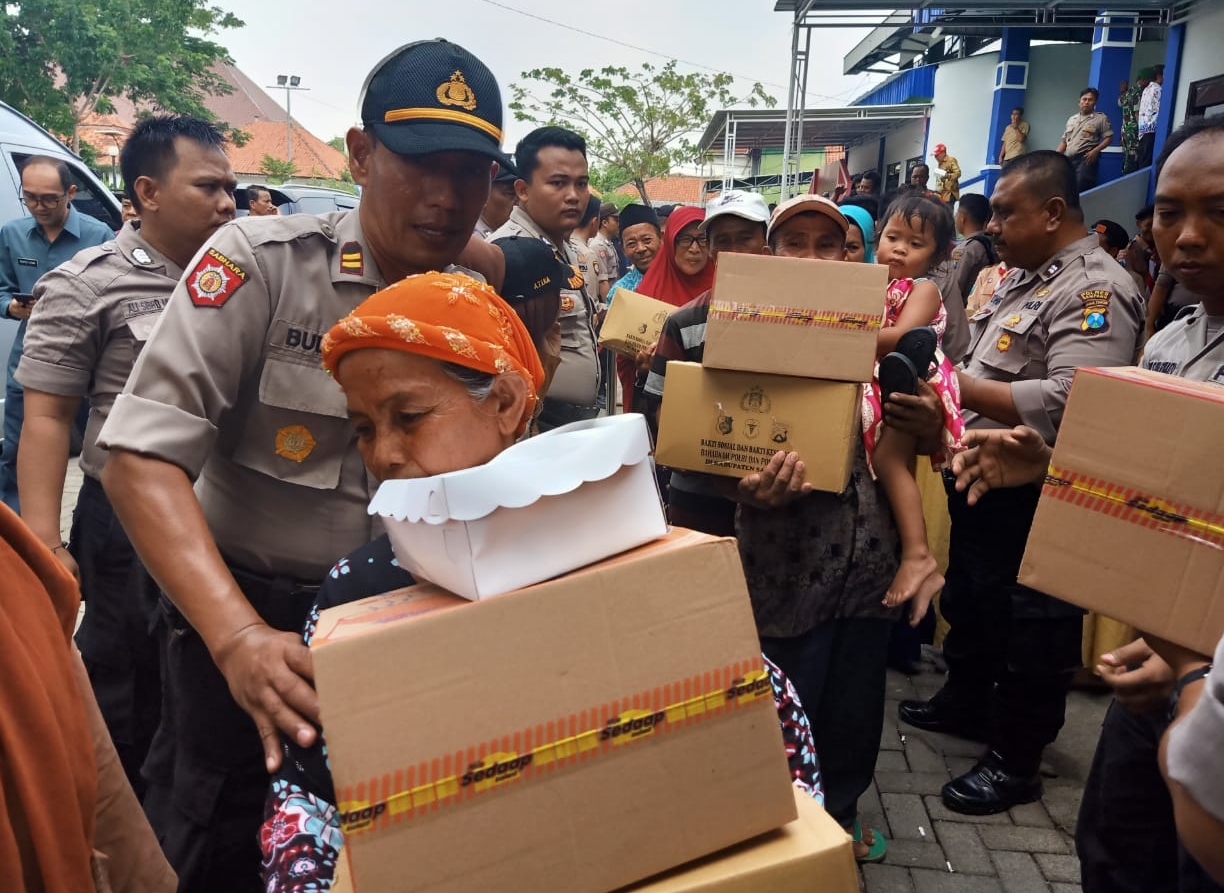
x: 770, y: 128
x: 766, y: 128
x: 931, y: 31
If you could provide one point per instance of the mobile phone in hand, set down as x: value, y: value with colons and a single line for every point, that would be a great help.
x: 24, y: 299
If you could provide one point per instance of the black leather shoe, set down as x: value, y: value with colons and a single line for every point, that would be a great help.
x: 933, y: 716
x: 990, y: 787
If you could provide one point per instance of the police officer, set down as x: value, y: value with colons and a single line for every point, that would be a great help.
x: 229, y: 394
x: 93, y: 316
x: 553, y: 192
x: 1126, y: 837
x: 1011, y: 651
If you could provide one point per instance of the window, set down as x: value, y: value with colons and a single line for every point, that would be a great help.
x: 1205, y: 96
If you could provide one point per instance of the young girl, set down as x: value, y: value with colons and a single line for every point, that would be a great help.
x: 917, y: 236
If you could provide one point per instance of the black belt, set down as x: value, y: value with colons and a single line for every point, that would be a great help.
x: 273, y: 583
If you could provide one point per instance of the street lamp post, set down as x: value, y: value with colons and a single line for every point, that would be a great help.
x: 288, y: 83
x: 113, y: 152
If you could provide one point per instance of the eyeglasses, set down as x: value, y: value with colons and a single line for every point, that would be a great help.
x: 684, y: 243
x: 44, y: 201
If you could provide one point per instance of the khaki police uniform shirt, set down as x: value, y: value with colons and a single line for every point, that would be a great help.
x: 609, y: 261
x: 588, y: 266
x: 1014, y: 136
x: 577, y: 377
x: 1080, y: 309
x: 93, y: 317
x: 1083, y: 132
x: 230, y: 388
x: 1185, y: 348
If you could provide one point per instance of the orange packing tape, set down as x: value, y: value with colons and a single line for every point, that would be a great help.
x: 734, y: 311
x: 1135, y: 506
x: 546, y: 747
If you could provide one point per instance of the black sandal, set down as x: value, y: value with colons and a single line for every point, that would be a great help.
x: 901, y: 369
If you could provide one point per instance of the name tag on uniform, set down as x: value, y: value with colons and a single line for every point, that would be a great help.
x: 27, y: 262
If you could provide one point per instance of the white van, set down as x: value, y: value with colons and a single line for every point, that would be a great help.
x: 19, y: 139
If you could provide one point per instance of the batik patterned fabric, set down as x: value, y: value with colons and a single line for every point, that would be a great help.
x: 943, y: 380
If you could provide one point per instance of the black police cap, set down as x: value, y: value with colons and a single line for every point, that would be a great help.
x: 532, y: 268
x: 434, y: 96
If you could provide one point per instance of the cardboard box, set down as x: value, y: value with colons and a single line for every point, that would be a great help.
x: 810, y: 854
x: 731, y: 423
x: 577, y: 735
x: 564, y: 499
x: 794, y: 316
x: 1131, y: 518
x: 633, y: 323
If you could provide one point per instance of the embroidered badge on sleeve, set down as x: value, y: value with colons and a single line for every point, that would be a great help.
x: 214, y: 279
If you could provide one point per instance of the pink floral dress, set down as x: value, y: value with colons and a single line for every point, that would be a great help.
x: 943, y: 380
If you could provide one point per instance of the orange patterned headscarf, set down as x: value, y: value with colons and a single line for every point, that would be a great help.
x: 447, y: 316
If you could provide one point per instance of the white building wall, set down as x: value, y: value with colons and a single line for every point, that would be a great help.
x: 961, y: 116
x: 864, y: 157
x: 1201, y: 57
x: 904, y: 143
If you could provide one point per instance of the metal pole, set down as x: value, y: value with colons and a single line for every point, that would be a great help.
x: 288, y: 124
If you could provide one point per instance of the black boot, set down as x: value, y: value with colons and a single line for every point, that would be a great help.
x: 942, y: 714
x: 993, y: 785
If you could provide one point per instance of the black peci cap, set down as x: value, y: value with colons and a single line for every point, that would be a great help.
x: 433, y: 96
x: 532, y: 268
x: 632, y: 215
x: 506, y: 171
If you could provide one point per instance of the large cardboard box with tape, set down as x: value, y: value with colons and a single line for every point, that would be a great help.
x: 1131, y: 518
x: 732, y: 423
x: 810, y: 854
x: 795, y: 316
x: 576, y: 735
x: 633, y: 323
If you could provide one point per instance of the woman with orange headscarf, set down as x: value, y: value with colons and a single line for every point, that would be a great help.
x: 681, y: 271
x: 440, y: 375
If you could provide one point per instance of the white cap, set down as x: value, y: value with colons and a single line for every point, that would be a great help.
x: 749, y: 205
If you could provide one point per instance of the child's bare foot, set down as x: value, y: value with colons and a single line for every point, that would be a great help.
x: 922, y: 600
x: 912, y: 573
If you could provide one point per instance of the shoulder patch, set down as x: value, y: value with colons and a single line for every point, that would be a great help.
x: 214, y: 279
x: 1096, y: 310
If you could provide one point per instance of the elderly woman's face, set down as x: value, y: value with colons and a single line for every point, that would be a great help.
x: 413, y: 420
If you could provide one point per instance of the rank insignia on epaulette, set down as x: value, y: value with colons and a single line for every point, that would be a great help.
x: 352, y: 259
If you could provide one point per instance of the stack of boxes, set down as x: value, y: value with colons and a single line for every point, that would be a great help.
x: 580, y: 733
x: 789, y: 343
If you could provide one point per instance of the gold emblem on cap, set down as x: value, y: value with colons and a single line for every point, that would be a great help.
x: 457, y: 92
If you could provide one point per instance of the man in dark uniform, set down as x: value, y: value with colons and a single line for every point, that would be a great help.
x: 1011, y: 651
x: 229, y: 394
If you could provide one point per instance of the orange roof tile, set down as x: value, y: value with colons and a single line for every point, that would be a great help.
x: 313, y: 157
x: 689, y: 190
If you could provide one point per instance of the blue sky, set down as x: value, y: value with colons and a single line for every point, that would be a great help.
x: 332, y: 52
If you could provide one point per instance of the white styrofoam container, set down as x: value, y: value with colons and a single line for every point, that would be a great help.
x: 543, y: 507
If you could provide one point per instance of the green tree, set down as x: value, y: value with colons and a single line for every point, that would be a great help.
x: 276, y: 170
x: 337, y: 143
x: 641, y: 121
x: 61, y: 60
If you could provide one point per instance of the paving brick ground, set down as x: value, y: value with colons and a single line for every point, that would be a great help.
x: 1029, y: 849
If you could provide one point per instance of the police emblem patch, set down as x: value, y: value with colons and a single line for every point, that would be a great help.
x: 456, y: 92
x: 1003, y: 345
x: 214, y: 279
x: 1096, y: 310
x: 294, y: 442
x: 352, y: 259
x: 567, y: 303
